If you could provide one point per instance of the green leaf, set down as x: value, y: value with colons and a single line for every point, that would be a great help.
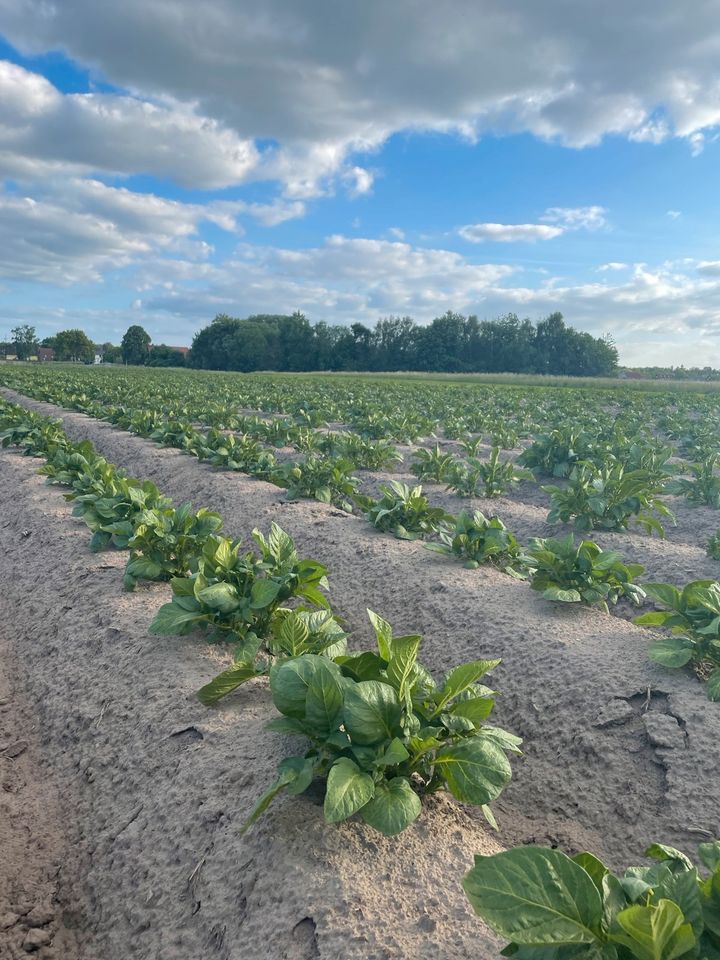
x: 171, y: 620
x: 713, y: 685
x: 143, y: 568
x: 476, y: 710
x: 383, y: 634
x: 461, y: 679
x: 475, y: 770
x: 290, y: 681
x: 263, y: 593
x: 535, y: 896
x: 401, y: 668
x: 710, y: 854
x: 562, y: 596
x: 654, y: 932
x: 371, y: 712
x: 324, y: 699
x: 222, y: 597
x: 348, y: 789
x: 393, y: 808
x: 293, y: 771
x: 665, y: 593
x: 394, y: 754
x: 672, y: 651
x: 656, y: 618
x: 226, y: 682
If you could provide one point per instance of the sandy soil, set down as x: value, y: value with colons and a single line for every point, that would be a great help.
x: 619, y: 752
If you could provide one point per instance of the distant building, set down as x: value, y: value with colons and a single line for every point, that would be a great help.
x: 45, y: 353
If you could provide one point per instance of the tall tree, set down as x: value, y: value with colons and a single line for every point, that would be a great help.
x: 135, y: 345
x: 24, y: 340
x: 74, y: 345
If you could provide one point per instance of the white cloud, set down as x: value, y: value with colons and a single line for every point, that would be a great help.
x: 47, y: 132
x: 508, y: 232
x: 613, y: 265
x: 673, y: 214
x: 576, y: 218
x: 556, y: 221
x: 322, y: 87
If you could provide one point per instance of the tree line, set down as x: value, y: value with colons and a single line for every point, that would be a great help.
x: 75, y: 346
x: 451, y: 343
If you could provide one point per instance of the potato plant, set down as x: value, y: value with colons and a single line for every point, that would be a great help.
x: 432, y: 464
x: 703, y: 488
x: 476, y: 539
x: 326, y: 479
x: 552, y: 906
x: 582, y: 572
x: 404, y: 511
x: 166, y: 543
x: 486, y: 478
x: 608, y: 498
x: 693, y: 616
x: 383, y: 734
x: 238, y: 594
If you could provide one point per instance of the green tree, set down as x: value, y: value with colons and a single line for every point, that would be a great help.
x: 136, y: 345
x: 24, y: 341
x: 74, y: 345
x: 163, y: 356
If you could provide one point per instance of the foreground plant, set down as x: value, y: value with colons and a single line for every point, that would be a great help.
x: 326, y: 479
x: 476, y: 539
x: 582, y: 572
x: 551, y: 906
x: 404, y: 511
x: 713, y: 546
x: 166, y: 543
x: 693, y: 616
x: 608, y: 498
x: 112, y: 506
x: 432, y: 464
x: 239, y: 594
x: 383, y: 734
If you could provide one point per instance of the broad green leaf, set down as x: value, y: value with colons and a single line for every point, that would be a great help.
x: 710, y: 854
x: 324, y: 699
x: 348, y: 789
x: 263, y: 593
x: 226, y: 682
x: 656, y: 618
x: 672, y: 651
x: 535, y: 896
x: 364, y: 666
x: 290, y: 681
x: 665, y: 593
x: 713, y: 685
x: 222, y: 597
x: 659, y: 851
x: 393, y: 808
x: 475, y: 770
x: 562, y: 596
x: 371, y: 712
x: 654, y: 932
x: 394, y: 754
x: 401, y: 668
x: 461, y: 679
x: 171, y: 620
x: 477, y: 709
x: 144, y: 569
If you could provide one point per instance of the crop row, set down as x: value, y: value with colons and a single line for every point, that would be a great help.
x: 382, y: 734
x: 561, y: 569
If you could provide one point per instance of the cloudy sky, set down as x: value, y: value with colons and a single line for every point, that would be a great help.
x: 163, y: 162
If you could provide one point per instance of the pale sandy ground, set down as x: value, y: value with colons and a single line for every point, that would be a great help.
x: 583, y: 782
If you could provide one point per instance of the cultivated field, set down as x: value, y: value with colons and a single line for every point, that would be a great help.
x: 126, y: 797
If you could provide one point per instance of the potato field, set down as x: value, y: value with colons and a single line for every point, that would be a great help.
x: 357, y: 668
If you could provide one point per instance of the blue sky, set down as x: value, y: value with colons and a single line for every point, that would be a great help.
x: 161, y: 164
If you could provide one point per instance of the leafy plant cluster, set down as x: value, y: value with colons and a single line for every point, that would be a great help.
x: 549, y: 905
